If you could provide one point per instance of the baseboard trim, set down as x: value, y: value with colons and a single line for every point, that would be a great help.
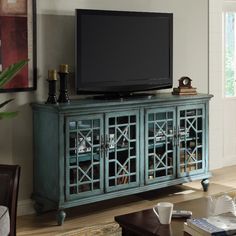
x: 229, y: 161
x: 25, y: 207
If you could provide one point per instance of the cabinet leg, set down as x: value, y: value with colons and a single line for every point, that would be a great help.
x: 38, y: 207
x: 205, y: 184
x: 61, y: 215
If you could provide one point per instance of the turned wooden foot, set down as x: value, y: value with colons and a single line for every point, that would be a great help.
x: 38, y: 207
x: 205, y: 184
x: 61, y: 215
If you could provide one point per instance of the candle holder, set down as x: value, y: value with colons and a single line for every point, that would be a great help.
x: 63, y: 74
x: 52, y: 79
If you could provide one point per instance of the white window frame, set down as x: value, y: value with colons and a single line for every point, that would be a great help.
x: 228, y: 6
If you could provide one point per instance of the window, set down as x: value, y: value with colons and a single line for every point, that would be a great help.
x: 229, y: 53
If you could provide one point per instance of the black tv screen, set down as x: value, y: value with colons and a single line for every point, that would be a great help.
x: 123, y: 52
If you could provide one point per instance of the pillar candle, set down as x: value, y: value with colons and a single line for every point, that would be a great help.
x: 52, y: 75
x: 64, y: 68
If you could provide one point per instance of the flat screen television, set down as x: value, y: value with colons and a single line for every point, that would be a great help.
x: 121, y: 52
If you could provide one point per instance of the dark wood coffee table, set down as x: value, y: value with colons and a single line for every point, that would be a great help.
x: 145, y: 222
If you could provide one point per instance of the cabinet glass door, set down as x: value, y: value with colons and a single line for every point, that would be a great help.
x: 84, y: 161
x: 160, y: 145
x: 191, y: 140
x: 121, y: 152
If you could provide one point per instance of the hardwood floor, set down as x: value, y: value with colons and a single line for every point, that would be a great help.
x: 99, y: 213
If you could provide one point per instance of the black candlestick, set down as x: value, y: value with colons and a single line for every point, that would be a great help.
x: 63, y: 96
x: 52, y: 99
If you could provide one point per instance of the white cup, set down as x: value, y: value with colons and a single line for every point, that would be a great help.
x: 163, y: 211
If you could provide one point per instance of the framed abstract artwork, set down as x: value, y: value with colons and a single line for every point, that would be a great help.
x: 18, y: 42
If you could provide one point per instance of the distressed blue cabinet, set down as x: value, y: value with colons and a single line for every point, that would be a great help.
x: 92, y: 150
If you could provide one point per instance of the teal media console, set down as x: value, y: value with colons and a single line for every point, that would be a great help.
x: 92, y: 150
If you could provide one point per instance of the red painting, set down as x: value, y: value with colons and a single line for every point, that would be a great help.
x: 16, y: 41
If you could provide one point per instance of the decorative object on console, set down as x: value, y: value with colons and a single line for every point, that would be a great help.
x: 185, y: 82
x: 185, y: 87
x: 52, y: 79
x: 63, y: 74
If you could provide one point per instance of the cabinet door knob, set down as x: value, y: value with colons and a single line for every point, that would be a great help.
x: 178, y: 135
x: 175, y: 135
x: 107, y: 143
x: 102, y: 143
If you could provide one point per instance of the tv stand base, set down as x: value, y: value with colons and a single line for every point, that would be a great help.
x: 94, y: 150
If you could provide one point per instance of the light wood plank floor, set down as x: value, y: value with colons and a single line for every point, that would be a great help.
x: 99, y: 213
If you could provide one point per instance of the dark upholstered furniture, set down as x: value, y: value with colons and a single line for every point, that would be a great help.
x: 9, y: 185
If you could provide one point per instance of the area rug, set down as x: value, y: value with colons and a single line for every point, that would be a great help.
x: 108, y: 229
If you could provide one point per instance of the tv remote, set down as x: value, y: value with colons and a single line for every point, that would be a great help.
x: 181, y: 214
